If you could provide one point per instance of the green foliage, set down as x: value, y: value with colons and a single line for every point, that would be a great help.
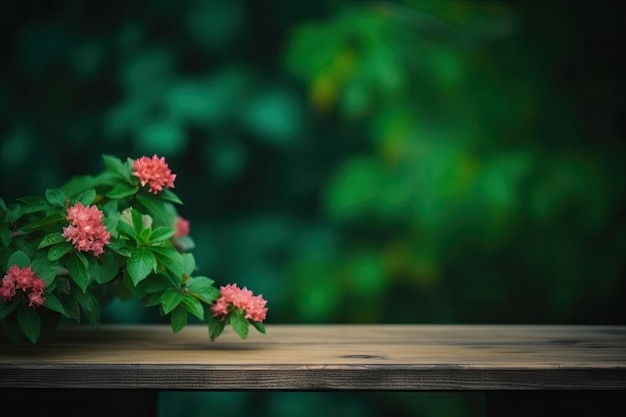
x: 446, y: 177
x: 239, y: 323
x: 29, y: 323
x: 216, y: 326
x: 140, y: 264
x: 202, y: 288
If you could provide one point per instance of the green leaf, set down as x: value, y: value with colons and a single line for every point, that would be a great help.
x: 160, y: 234
x: 19, y: 258
x: 78, y: 271
x: 119, y: 246
x: 170, y: 299
x: 239, y: 323
x: 116, y: 166
x: 79, y: 184
x: 199, y: 282
x: 258, y: 325
x: 189, y: 263
x: 104, y: 268
x: 202, y: 287
x: 156, y: 283
x: 62, y: 283
x: 44, y: 269
x: 6, y: 308
x: 109, y: 179
x: 178, y: 319
x: 137, y: 219
x: 171, y: 258
x: 87, y: 197
x: 5, y: 237
x: 46, y: 222
x: 194, y: 306
x: 128, y: 289
x: 127, y: 230
x: 216, y: 326
x: 58, y: 250
x: 53, y: 303
x: 90, y: 306
x: 151, y: 300
x: 162, y: 212
x: 168, y: 195
x: 51, y: 239
x: 56, y: 197
x: 81, y: 257
x: 111, y: 215
x: 120, y: 191
x: 144, y: 236
x: 140, y: 264
x: 32, y: 200
x: 72, y: 309
x: 29, y: 322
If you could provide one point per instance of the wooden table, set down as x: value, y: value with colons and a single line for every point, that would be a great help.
x: 522, y: 369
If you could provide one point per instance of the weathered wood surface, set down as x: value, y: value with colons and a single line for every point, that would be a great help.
x: 324, y: 357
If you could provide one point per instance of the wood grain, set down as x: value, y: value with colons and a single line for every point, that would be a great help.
x: 324, y: 357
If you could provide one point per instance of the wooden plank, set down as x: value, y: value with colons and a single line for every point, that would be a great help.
x: 324, y: 357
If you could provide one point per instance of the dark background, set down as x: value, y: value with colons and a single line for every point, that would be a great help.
x: 354, y: 162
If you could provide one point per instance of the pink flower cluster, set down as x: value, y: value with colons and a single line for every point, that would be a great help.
x: 155, y: 172
x: 86, y: 231
x: 242, y: 298
x: 23, y: 279
x: 182, y: 227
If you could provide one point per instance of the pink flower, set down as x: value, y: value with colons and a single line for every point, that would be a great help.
x: 7, y: 290
x: 35, y: 299
x: 86, y: 231
x: 182, y: 227
x: 243, y: 298
x: 155, y: 172
x: 24, y: 279
x: 37, y: 285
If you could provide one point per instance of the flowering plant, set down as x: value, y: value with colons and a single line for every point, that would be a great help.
x: 115, y: 234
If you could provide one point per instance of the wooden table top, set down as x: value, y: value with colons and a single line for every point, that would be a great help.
x: 324, y: 357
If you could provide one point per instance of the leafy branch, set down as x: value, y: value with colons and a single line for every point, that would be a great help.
x: 116, y: 234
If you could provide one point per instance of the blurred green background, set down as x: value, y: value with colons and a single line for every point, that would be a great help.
x: 354, y: 162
